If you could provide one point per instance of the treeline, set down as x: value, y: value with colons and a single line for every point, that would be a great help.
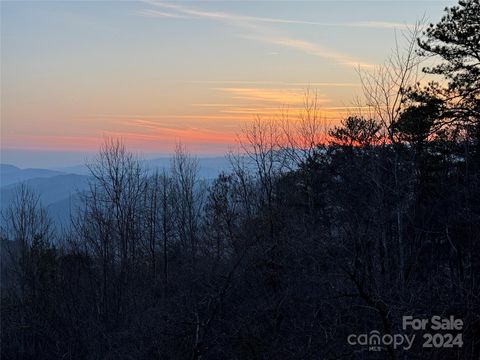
x: 313, y: 235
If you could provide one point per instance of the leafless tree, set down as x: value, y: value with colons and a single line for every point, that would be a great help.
x: 110, y: 221
x: 385, y: 86
x: 188, y: 199
x: 303, y: 132
x: 159, y: 222
x: 29, y: 232
x: 385, y: 90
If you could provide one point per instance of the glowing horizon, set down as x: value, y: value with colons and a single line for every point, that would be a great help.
x: 155, y: 73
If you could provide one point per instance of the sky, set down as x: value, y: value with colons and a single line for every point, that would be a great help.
x: 154, y: 73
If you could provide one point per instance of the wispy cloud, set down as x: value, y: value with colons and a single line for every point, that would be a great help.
x: 231, y: 17
x: 294, y: 112
x: 225, y: 16
x: 212, y: 121
x: 314, y: 49
x: 258, y: 31
x: 277, y: 83
x: 277, y: 96
x: 242, y: 82
x: 375, y: 24
x: 326, y: 84
x: 160, y: 14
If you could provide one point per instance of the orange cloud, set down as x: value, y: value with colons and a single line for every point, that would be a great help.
x: 279, y: 96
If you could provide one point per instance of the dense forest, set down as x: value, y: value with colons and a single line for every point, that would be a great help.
x: 316, y: 233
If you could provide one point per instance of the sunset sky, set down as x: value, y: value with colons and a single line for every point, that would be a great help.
x: 155, y: 73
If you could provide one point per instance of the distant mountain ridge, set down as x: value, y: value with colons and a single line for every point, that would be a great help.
x: 59, y: 194
x: 10, y: 174
x: 59, y: 188
x: 209, y: 167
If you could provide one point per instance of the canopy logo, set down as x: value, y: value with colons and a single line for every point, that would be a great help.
x: 376, y: 342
